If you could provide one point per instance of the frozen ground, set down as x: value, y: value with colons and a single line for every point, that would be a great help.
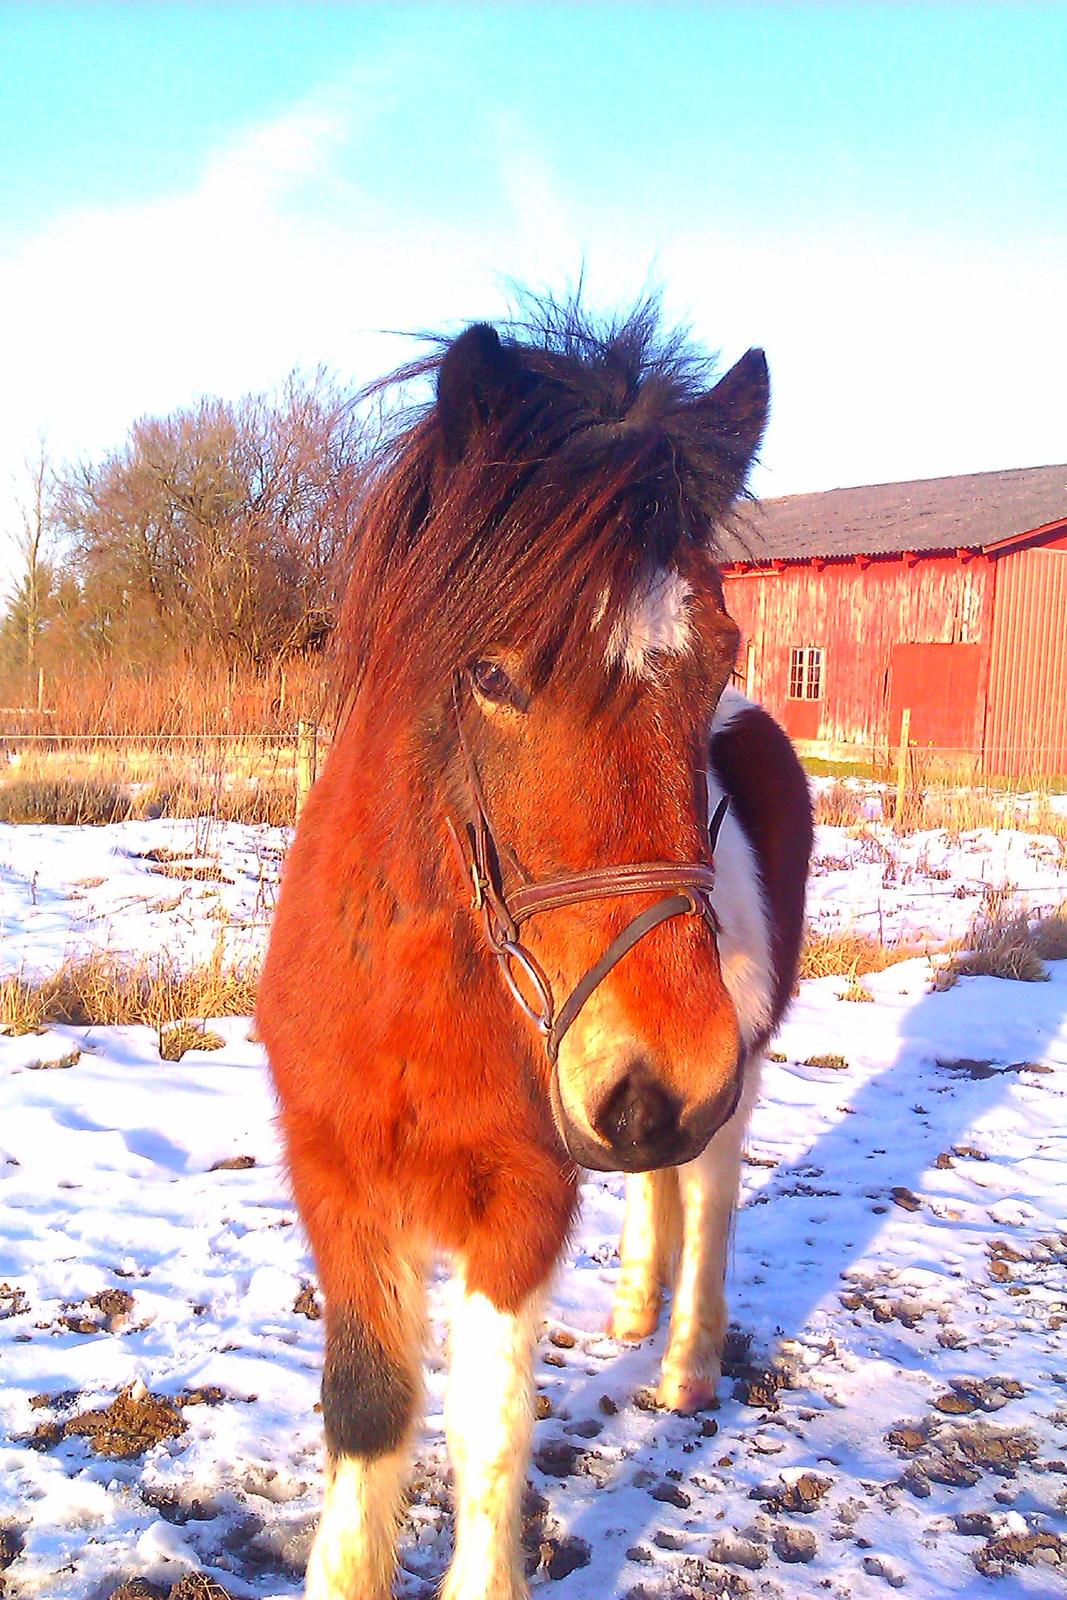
x: 897, y: 1410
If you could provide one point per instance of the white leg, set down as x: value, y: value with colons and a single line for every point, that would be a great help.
x: 648, y: 1248
x: 355, y: 1548
x: 489, y: 1421
x: 693, y: 1362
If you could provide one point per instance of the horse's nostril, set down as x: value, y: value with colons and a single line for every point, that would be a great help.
x: 638, y: 1113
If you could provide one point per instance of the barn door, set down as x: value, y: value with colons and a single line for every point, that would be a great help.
x: 940, y: 684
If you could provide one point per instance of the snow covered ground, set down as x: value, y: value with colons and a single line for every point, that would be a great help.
x: 896, y: 1410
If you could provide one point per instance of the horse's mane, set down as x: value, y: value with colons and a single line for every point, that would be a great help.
x: 597, y: 467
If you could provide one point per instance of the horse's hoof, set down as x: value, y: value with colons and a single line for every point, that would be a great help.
x: 631, y: 1323
x: 688, y: 1392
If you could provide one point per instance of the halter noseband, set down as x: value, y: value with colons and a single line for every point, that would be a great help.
x: 504, y: 913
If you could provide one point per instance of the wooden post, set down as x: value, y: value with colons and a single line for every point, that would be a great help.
x: 40, y: 690
x: 902, y: 765
x: 307, y: 737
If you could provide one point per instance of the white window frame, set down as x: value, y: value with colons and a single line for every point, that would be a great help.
x: 806, y: 665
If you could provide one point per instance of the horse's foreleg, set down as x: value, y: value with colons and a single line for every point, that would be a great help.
x: 489, y: 1419
x: 370, y: 1390
x: 649, y: 1244
x: 693, y: 1363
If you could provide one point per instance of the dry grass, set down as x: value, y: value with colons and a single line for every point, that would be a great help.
x: 942, y: 800
x: 851, y: 955
x: 857, y: 991
x: 958, y: 810
x: 182, y: 1036
x: 1004, y: 943
x: 239, y: 781
x: 180, y: 742
x: 1050, y: 935
x: 23, y: 1007
x: 106, y: 992
x: 67, y: 801
x: 840, y: 806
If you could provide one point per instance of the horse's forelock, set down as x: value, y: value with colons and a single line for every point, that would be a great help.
x: 587, y: 478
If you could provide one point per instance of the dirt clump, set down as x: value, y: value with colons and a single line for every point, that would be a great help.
x: 996, y: 1557
x: 975, y: 1524
x: 108, y: 1312
x: 669, y: 1494
x: 998, y: 1450
x: 13, y: 1301
x: 113, y: 1302
x: 198, y: 1586
x: 977, y: 1394
x: 11, y: 1543
x: 194, y: 1586
x: 556, y: 1458
x: 134, y: 1421
x: 561, y: 1557
x: 734, y: 1550
x: 755, y: 1384
x: 307, y: 1304
x: 794, y: 1544
x: 172, y: 1508
x: 956, y: 1454
x: 695, y: 1580
x: 907, y: 1439
x: 802, y: 1494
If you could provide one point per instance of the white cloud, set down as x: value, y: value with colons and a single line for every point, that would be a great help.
x: 890, y: 357
x: 114, y: 313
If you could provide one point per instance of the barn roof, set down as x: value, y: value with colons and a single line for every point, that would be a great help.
x: 974, y: 512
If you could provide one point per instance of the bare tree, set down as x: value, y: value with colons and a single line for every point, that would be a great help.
x: 217, y: 529
x: 35, y: 532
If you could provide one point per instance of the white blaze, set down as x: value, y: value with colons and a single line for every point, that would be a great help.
x: 656, y: 622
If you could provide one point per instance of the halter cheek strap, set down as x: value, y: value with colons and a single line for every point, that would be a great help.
x: 503, y: 913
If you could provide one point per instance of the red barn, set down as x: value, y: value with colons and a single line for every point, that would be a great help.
x: 947, y: 597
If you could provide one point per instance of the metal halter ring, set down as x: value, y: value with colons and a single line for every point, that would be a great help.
x: 508, y: 951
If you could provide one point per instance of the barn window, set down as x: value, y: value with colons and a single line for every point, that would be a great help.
x: 805, y: 673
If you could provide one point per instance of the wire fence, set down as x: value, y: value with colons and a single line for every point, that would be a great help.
x: 895, y: 897
x: 111, y: 775
x: 267, y: 775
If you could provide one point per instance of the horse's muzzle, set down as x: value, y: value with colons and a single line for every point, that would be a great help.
x: 641, y: 1125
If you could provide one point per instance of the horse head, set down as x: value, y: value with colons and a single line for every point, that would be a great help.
x: 559, y: 617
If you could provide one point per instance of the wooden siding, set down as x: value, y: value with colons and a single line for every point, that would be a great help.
x: 1026, y: 721
x: 857, y: 612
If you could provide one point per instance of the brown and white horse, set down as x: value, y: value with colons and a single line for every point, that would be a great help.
x: 517, y: 934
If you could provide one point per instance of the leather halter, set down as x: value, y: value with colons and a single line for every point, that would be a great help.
x: 504, y: 911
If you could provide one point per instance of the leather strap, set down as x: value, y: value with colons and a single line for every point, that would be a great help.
x: 606, y: 883
x: 504, y: 912
x: 675, y: 905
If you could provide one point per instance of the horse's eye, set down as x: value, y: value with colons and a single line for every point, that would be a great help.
x: 493, y: 683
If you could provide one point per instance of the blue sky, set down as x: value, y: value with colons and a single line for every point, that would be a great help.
x: 195, y: 199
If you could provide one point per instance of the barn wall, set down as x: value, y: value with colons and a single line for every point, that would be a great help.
x: 857, y: 614
x: 1026, y: 723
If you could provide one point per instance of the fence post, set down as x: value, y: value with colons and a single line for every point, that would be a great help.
x: 40, y: 690
x: 902, y: 765
x: 307, y: 739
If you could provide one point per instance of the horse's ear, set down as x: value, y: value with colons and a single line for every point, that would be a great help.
x: 472, y: 384
x: 735, y: 411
